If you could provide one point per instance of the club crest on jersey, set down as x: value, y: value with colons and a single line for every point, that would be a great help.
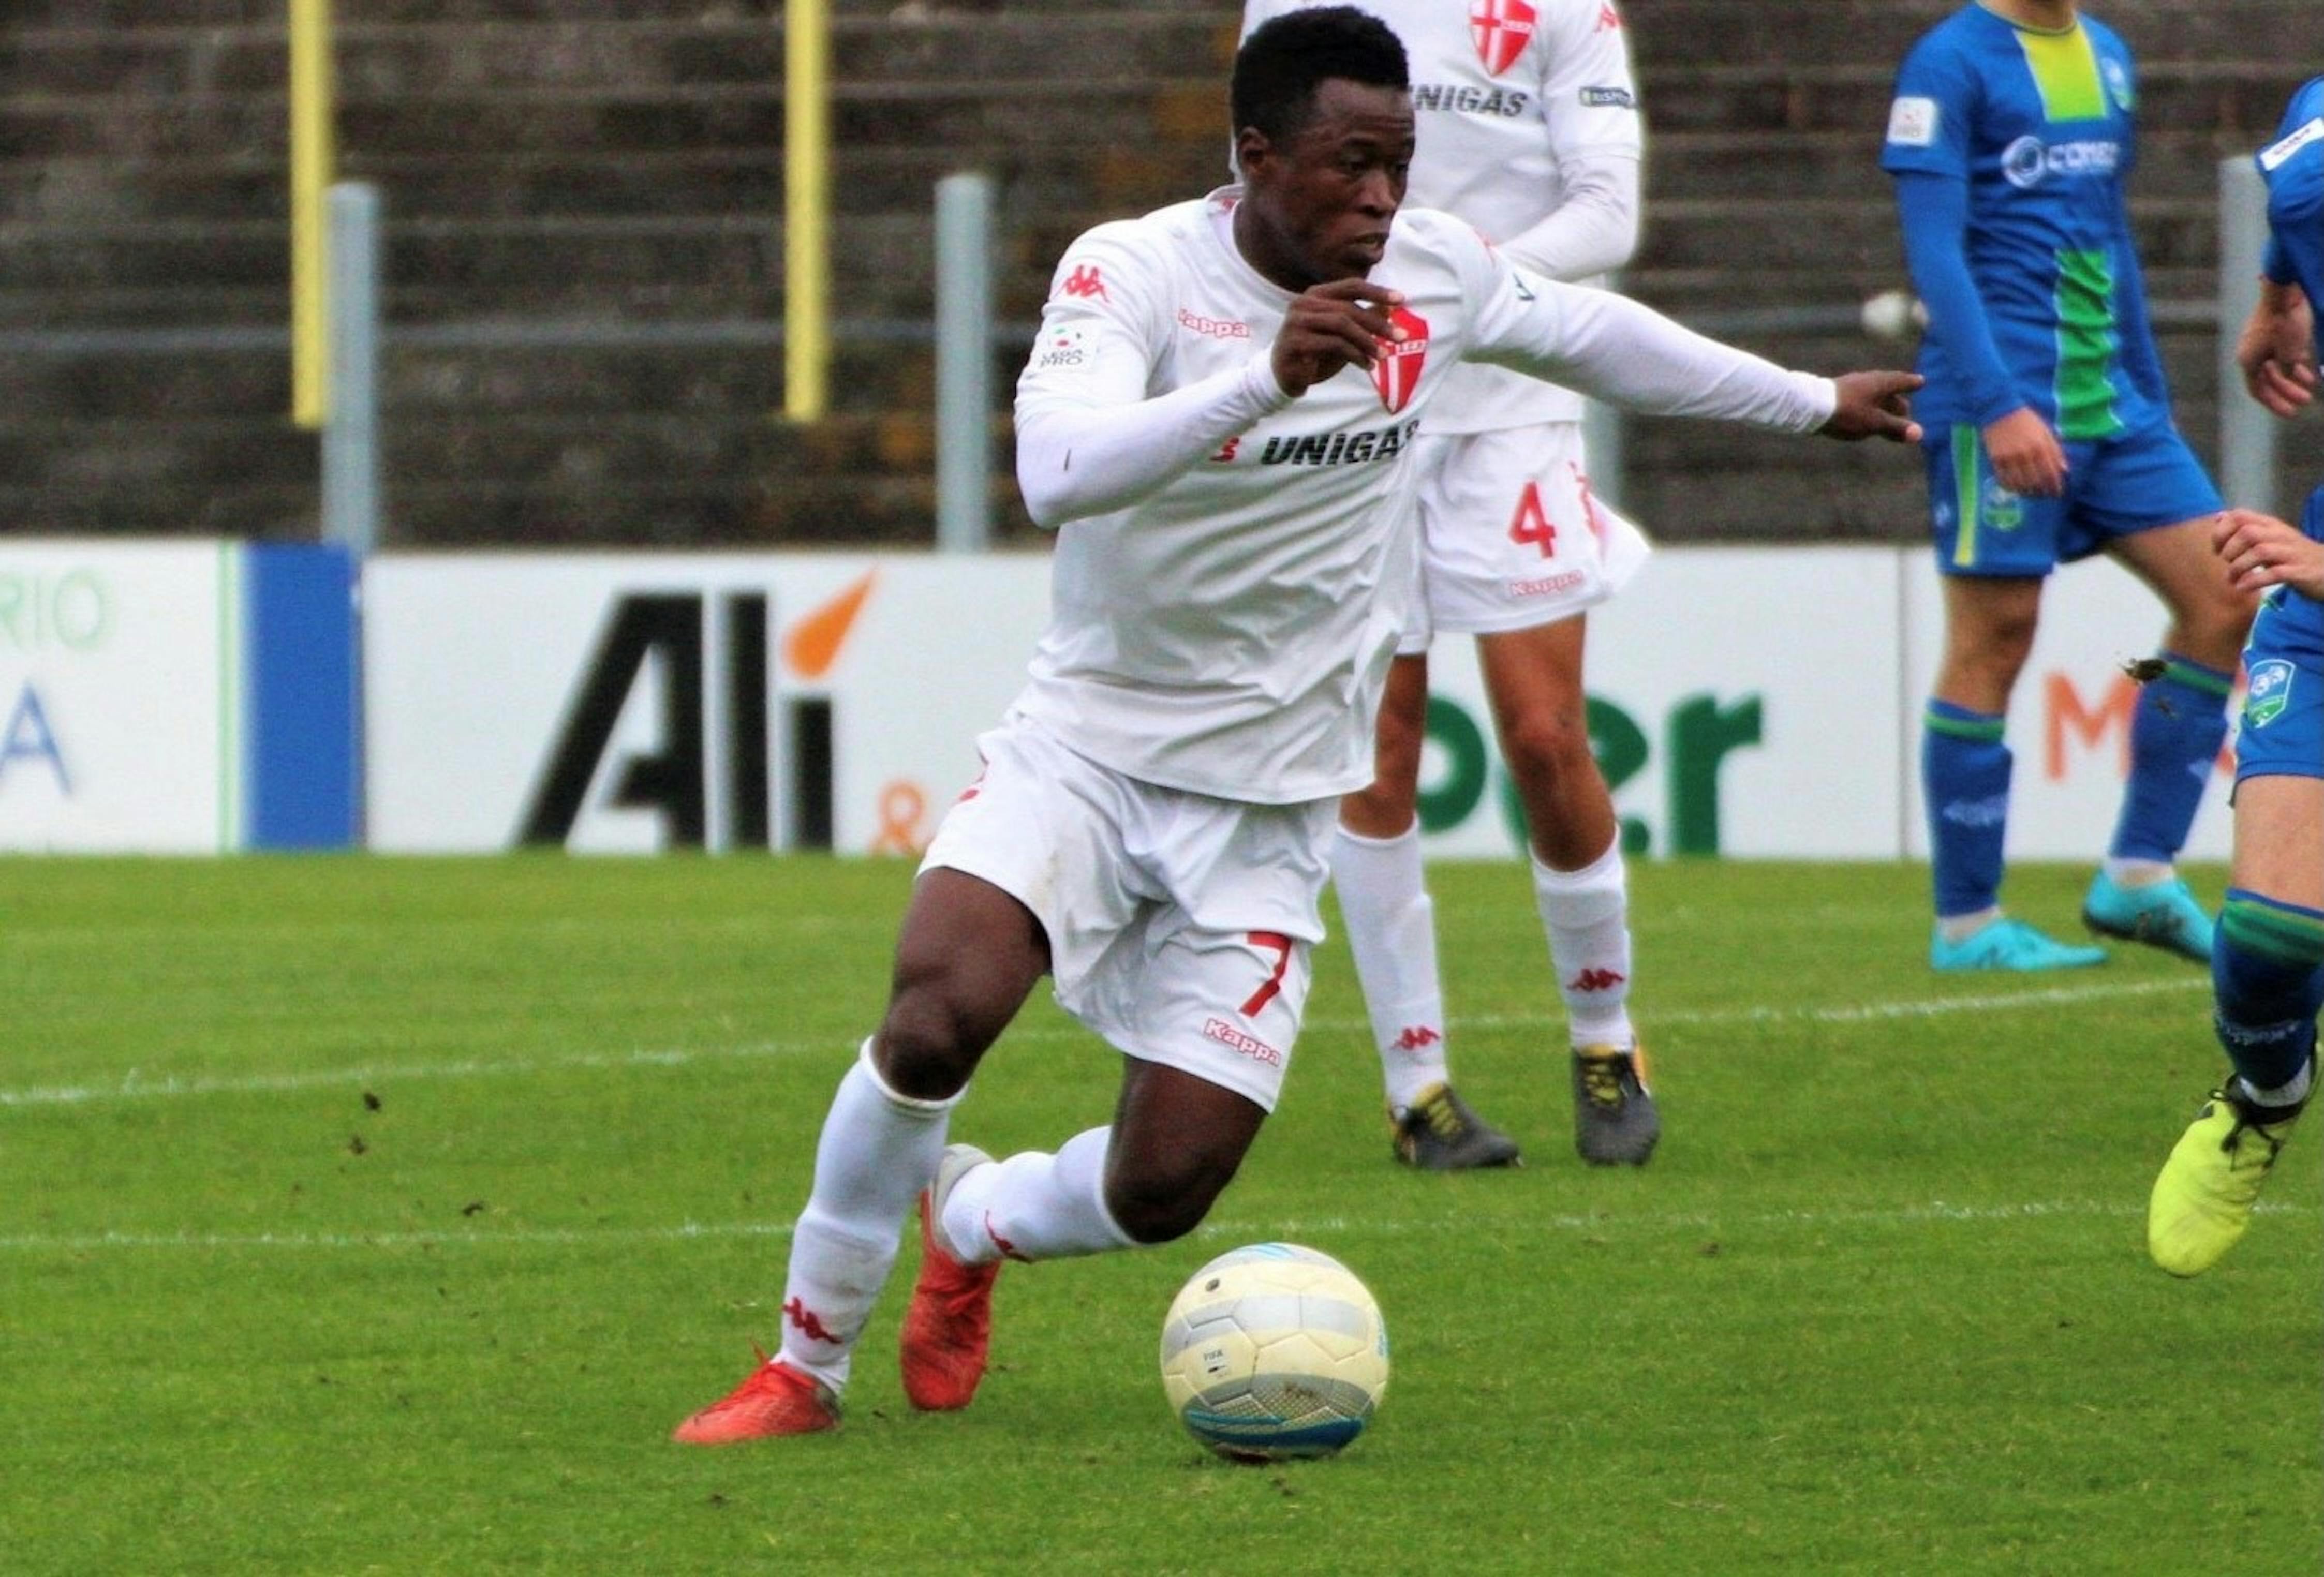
x: 1500, y: 29
x: 1397, y: 371
x: 2270, y: 694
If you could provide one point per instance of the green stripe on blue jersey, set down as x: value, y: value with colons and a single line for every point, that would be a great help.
x: 1969, y: 493
x: 2066, y: 72
x: 2088, y: 346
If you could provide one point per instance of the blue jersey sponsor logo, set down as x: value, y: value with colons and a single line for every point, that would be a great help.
x: 2029, y: 161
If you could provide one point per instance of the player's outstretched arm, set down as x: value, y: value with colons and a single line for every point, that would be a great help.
x: 2261, y: 552
x: 1874, y: 405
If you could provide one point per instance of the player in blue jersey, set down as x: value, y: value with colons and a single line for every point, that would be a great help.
x: 2267, y: 963
x: 2049, y: 439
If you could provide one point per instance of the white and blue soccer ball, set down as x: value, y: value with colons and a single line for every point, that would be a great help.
x: 1274, y: 1351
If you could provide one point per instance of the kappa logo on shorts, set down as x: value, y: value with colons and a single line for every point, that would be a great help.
x: 1546, y: 586
x: 2271, y: 693
x: 1241, y: 1040
x: 1397, y: 373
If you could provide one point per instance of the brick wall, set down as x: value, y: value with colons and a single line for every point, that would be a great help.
x: 593, y: 163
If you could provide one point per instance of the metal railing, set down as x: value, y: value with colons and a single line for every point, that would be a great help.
x: 965, y: 332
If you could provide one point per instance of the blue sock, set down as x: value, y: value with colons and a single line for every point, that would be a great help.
x: 2175, y: 735
x: 2267, y: 979
x: 1965, y: 781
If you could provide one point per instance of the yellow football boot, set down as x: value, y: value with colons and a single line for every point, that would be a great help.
x: 2203, y: 1196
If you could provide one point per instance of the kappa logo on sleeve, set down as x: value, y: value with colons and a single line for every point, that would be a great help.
x: 1085, y: 282
x: 2274, y: 158
x: 1912, y: 123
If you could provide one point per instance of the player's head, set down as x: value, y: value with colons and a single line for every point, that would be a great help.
x: 1283, y: 62
x: 1323, y: 137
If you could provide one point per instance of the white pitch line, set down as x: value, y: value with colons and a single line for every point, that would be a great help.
x: 1865, y: 1012
x: 1935, y: 1212
x: 132, y: 1086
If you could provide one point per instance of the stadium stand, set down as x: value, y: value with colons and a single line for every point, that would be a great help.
x: 590, y: 162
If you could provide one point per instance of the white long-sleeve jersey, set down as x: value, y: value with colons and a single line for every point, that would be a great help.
x: 1529, y: 128
x: 1216, y: 620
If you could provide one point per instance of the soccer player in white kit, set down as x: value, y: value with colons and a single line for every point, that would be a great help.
x: 1529, y: 129
x: 1219, y: 414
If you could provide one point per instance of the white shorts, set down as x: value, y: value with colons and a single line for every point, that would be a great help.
x: 1510, y: 537
x: 1179, y: 926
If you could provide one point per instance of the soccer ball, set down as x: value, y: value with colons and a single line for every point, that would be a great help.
x: 1273, y: 1351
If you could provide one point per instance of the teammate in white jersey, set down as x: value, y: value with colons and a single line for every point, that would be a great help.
x: 1529, y: 129
x: 1219, y: 416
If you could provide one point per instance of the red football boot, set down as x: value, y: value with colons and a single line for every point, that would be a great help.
x: 777, y: 1399
x: 949, y: 1326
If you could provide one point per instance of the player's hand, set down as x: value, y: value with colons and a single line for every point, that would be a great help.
x: 2027, y: 456
x: 1333, y: 325
x: 2261, y: 552
x: 2277, y: 351
x: 1874, y: 405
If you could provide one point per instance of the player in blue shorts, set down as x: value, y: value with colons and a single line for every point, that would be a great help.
x: 2267, y: 963
x: 2049, y: 439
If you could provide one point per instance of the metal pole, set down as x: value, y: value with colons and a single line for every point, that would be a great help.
x: 2248, y: 435
x: 963, y: 363
x: 807, y: 210
x: 351, y: 430
x: 312, y: 157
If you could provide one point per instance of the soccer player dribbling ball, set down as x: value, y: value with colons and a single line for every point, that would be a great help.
x: 1218, y: 417
x: 2267, y: 958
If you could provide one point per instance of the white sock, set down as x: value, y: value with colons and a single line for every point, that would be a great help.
x: 2291, y: 1094
x: 2137, y: 872
x: 1392, y: 932
x: 1032, y: 1205
x: 1962, y: 927
x: 1587, y: 916
x: 878, y: 1150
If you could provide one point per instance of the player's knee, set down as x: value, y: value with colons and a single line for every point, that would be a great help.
x: 1164, y: 1204
x: 928, y: 1045
x: 1383, y: 808
x: 1548, y: 745
x: 2213, y: 633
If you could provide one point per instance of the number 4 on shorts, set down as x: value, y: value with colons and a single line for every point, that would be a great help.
x: 1531, y: 522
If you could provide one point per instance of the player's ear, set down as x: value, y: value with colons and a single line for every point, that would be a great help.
x: 1251, y: 148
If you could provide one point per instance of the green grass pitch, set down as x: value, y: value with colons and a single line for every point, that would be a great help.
x: 383, y: 1215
